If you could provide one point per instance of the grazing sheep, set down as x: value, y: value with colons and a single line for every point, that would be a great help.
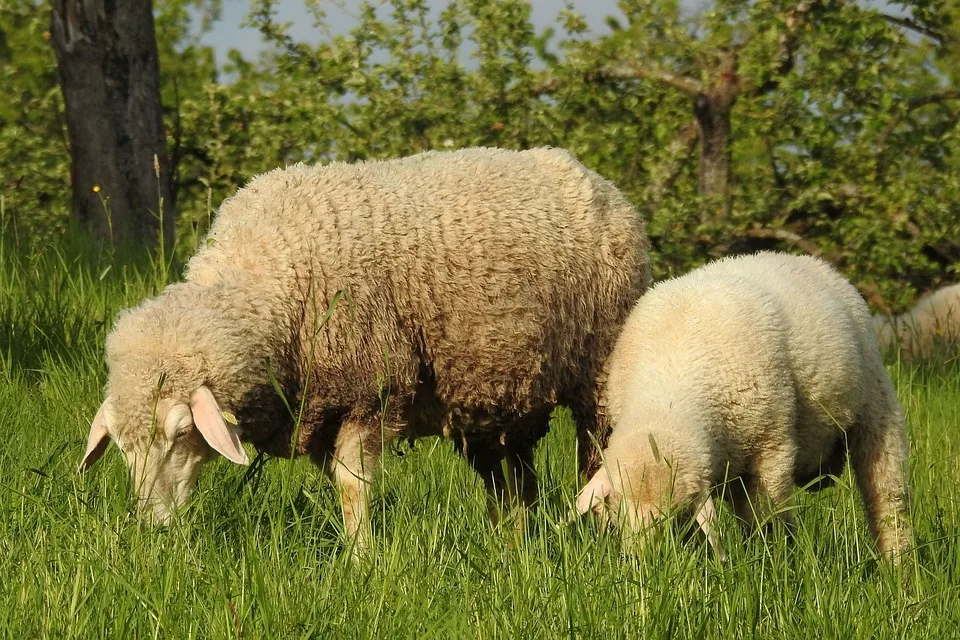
x: 763, y: 369
x: 461, y: 293
x: 932, y: 324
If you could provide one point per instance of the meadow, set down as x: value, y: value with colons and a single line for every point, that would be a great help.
x: 259, y: 552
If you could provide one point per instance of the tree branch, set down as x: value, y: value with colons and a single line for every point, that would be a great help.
x: 624, y: 70
x: 784, y: 235
x: 676, y: 81
x: 778, y: 178
x: 916, y: 27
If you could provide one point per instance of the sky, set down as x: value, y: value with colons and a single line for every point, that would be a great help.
x: 228, y: 33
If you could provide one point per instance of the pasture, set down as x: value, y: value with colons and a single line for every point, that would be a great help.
x: 259, y: 552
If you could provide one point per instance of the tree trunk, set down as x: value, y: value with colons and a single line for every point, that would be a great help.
x: 110, y: 78
x: 712, y: 109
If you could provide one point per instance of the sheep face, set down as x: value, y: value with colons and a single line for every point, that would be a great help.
x: 639, y: 505
x: 164, y: 446
x: 164, y: 468
x: 606, y: 500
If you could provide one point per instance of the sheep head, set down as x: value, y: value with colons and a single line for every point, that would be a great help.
x: 164, y: 440
x: 639, y: 504
x: 605, y: 500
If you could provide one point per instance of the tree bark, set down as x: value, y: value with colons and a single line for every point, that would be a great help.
x: 712, y: 107
x: 110, y: 78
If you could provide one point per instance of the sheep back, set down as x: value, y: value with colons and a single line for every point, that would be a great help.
x: 479, y: 285
x: 764, y: 348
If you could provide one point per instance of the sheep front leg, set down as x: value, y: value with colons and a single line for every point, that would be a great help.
x: 352, y: 468
x: 592, y: 432
x: 878, y: 457
x: 765, y: 491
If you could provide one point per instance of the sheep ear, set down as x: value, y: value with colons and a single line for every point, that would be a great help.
x: 593, y: 496
x: 221, y: 436
x: 97, y: 441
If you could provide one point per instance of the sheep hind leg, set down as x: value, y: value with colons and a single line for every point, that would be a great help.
x: 507, y: 475
x: 522, y: 479
x: 352, y: 469
x: 878, y: 456
x: 592, y: 434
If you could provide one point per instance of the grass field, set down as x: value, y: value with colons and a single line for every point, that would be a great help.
x: 260, y: 555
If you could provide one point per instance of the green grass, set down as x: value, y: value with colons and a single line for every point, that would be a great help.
x: 262, y: 556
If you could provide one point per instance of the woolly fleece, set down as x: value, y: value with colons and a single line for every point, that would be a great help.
x: 750, y: 368
x: 477, y: 289
x: 932, y: 323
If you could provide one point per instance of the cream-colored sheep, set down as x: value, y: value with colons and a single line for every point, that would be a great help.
x: 470, y: 292
x: 748, y: 376
x: 932, y: 326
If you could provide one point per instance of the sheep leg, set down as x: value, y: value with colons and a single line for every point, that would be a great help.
x: 488, y: 463
x: 741, y: 492
x: 829, y: 468
x: 878, y: 457
x: 706, y: 516
x: 352, y: 471
x: 507, y: 475
x: 769, y: 485
x: 592, y: 434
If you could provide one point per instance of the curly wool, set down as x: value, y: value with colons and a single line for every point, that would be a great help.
x: 761, y: 368
x: 933, y: 323
x: 476, y: 288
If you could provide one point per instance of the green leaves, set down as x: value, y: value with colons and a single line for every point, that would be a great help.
x: 834, y: 98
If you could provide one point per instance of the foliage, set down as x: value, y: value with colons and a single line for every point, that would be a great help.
x: 842, y: 143
x: 34, y: 153
x: 827, y: 143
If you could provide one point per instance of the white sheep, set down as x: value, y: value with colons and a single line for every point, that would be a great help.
x: 476, y: 288
x: 932, y: 324
x: 748, y: 376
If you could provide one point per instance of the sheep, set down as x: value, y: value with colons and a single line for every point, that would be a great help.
x: 760, y: 369
x: 932, y: 323
x: 460, y: 293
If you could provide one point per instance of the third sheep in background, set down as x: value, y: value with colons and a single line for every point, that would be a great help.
x: 930, y: 328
